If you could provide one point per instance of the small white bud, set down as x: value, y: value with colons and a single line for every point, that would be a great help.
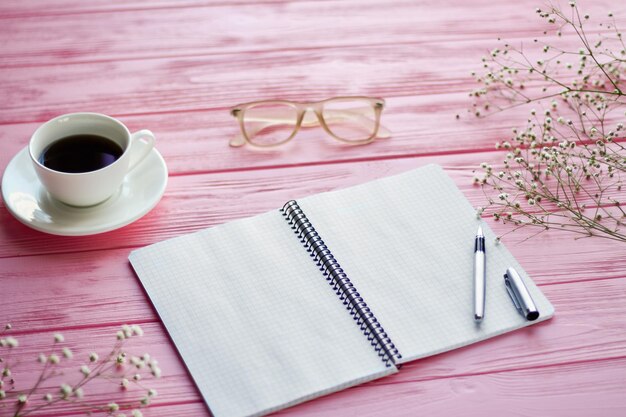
x: 66, y: 390
x: 137, y: 330
x: 67, y: 353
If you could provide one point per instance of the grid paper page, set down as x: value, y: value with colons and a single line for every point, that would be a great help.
x: 256, y: 323
x: 407, y: 244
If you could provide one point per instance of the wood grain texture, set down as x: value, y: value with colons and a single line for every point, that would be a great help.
x: 194, y: 202
x: 176, y: 67
x: 563, y: 343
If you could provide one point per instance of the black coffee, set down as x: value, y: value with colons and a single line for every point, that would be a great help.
x: 80, y: 153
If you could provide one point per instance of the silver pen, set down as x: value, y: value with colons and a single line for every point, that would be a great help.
x: 479, y: 276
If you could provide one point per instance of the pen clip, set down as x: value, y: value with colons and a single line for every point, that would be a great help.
x: 516, y: 303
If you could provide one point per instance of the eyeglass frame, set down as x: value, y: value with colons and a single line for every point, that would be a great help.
x: 301, y: 108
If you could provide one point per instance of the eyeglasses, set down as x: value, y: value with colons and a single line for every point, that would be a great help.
x: 352, y: 120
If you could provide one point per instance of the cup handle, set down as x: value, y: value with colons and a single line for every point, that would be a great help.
x: 141, y: 144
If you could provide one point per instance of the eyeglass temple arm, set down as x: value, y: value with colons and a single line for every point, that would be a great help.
x: 265, y: 121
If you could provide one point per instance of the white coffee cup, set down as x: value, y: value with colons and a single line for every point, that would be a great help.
x: 92, y: 187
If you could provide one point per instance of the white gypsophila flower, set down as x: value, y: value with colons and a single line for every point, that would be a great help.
x: 156, y: 372
x: 85, y: 370
x: 124, y: 383
x: 12, y: 342
x: 22, y: 399
x: 145, y: 401
x: 137, y: 330
x: 93, y: 357
x: 54, y: 359
x: 79, y: 393
x: 127, y: 331
x: 6, y: 372
x: 137, y: 413
x: 113, y: 407
x: 137, y: 377
x: 67, y: 352
x: 3, y: 394
x: 65, y: 390
x: 152, y: 393
x: 120, y: 335
x: 58, y: 338
x: 42, y: 358
x: 48, y: 397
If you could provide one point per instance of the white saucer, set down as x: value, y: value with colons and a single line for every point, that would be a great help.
x: 29, y: 202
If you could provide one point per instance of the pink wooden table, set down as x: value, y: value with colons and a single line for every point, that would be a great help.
x: 176, y: 66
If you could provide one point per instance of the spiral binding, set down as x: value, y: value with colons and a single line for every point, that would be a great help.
x: 340, y: 283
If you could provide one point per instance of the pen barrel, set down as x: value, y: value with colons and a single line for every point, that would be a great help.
x: 479, y: 285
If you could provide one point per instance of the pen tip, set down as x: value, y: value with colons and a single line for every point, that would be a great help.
x: 479, y: 233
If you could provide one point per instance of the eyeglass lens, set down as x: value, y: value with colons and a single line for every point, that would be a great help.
x: 352, y: 120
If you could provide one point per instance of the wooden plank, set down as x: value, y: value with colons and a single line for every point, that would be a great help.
x: 579, y: 385
x: 421, y: 125
x: 571, y: 340
x: 197, y: 141
x: 98, y: 32
x: 576, y: 390
x: 12, y: 9
x: 87, y: 284
x: 193, y: 202
x: 163, y: 85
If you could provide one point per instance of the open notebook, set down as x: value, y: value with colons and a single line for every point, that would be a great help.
x: 265, y: 310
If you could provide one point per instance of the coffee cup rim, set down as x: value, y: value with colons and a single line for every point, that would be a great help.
x: 78, y: 114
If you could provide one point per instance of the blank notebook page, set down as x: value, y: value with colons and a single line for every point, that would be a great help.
x: 407, y: 243
x: 256, y: 323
